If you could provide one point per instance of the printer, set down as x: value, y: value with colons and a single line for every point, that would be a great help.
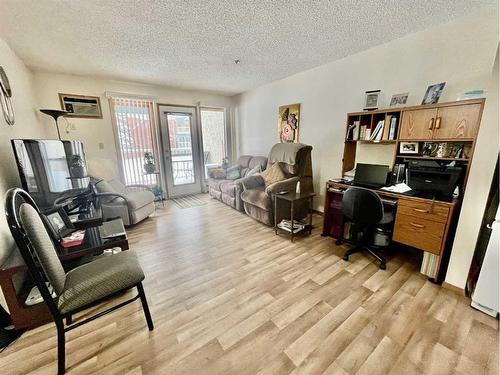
x: 434, y: 179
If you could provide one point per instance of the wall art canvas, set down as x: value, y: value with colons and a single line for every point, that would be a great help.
x: 288, y: 123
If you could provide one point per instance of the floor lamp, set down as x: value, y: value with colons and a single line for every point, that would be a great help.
x: 55, y: 114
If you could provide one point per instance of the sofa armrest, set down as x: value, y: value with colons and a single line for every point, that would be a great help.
x: 251, y: 182
x: 284, y: 185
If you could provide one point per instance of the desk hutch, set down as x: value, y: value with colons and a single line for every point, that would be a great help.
x: 425, y: 224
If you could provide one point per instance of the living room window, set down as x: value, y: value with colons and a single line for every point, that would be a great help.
x: 135, y: 137
x: 215, y: 145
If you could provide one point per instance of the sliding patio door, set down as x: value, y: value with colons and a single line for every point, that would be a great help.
x: 181, y: 150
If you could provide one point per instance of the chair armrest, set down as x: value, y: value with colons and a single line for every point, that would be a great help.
x: 141, y: 186
x: 115, y: 195
x: 251, y: 182
x: 284, y: 185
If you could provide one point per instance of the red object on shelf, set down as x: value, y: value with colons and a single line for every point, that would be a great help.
x: 75, y: 239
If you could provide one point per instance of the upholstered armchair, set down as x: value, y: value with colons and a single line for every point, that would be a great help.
x: 288, y: 163
x: 133, y: 203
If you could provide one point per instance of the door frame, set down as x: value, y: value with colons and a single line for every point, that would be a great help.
x: 196, y: 146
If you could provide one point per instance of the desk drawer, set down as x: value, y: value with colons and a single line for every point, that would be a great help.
x: 428, y: 211
x: 420, y: 233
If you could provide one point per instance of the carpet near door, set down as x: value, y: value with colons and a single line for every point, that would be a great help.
x: 189, y: 201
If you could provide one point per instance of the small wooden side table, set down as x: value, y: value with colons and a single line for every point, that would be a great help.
x: 293, y: 198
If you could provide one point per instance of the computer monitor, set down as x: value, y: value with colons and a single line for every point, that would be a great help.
x: 372, y: 175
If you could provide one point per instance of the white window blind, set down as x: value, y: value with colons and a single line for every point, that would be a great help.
x: 135, y: 135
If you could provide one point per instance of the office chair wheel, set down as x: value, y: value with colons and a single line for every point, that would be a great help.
x: 382, y: 266
x: 338, y: 242
x: 345, y: 257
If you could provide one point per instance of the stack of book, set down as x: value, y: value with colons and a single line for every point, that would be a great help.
x: 287, y: 225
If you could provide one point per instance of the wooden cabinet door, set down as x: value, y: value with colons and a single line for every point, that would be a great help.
x: 417, y: 124
x: 461, y: 121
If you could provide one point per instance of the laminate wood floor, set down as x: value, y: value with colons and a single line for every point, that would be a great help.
x: 229, y: 297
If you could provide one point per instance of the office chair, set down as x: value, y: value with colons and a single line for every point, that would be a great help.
x: 365, y: 210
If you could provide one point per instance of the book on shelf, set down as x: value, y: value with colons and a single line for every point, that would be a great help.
x: 387, y: 125
x: 362, y: 132
x: 355, y: 132
x: 367, y: 133
x: 377, y: 130
x: 392, y: 128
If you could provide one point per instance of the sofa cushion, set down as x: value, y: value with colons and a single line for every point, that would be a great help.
x: 273, y: 174
x: 255, y: 170
x: 243, y: 161
x: 216, y: 184
x: 228, y: 188
x: 257, y: 198
x: 258, y: 160
x: 233, y: 173
x: 218, y: 173
x: 138, y: 199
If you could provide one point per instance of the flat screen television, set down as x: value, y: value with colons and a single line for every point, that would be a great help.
x: 51, y: 169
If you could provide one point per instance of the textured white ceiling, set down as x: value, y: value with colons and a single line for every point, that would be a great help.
x: 192, y: 43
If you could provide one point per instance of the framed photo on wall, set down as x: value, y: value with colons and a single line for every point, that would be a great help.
x: 81, y: 106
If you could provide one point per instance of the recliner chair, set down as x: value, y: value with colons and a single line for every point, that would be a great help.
x: 365, y: 210
x: 295, y: 161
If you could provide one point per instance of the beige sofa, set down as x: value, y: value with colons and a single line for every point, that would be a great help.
x: 229, y: 191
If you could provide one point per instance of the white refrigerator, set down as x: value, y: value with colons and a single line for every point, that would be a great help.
x: 486, y: 296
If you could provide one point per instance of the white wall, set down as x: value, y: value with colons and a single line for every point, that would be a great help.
x: 95, y: 131
x: 461, y: 53
x: 26, y: 126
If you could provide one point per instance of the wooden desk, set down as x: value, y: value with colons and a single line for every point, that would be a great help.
x: 421, y: 223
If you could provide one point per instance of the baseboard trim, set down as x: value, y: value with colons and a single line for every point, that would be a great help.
x: 454, y: 288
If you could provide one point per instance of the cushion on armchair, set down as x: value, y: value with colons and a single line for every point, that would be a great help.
x: 273, y: 174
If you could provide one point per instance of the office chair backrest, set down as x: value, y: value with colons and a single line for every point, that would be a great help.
x: 362, y: 206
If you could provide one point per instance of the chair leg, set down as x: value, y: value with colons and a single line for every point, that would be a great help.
x: 379, y: 257
x: 69, y: 320
x: 145, y: 307
x: 61, y: 350
x: 349, y: 252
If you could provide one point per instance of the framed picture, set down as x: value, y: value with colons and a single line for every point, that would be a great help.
x: 288, y: 123
x: 408, y: 148
x: 58, y: 223
x: 81, y: 106
x: 372, y: 99
x: 433, y: 93
x: 399, y: 99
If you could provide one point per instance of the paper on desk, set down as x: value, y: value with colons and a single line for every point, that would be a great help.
x: 398, y: 188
